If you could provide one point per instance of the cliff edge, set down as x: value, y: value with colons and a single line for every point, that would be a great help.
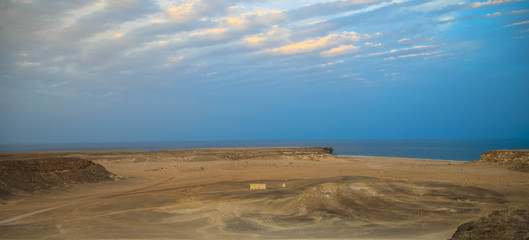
x: 514, y: 159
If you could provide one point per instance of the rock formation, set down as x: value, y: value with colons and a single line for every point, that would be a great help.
x: 44, y: 175
x: 507, y: 224
x: 514, y: 159
x: 215, y: 154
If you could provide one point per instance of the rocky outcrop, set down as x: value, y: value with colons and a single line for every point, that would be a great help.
x: 185, y: 155
x: 44, y: 175
x: 512, y: 223
x: 215, y: 154
x: 514, y: 159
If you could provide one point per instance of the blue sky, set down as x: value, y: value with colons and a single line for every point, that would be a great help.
x: 130, y: 70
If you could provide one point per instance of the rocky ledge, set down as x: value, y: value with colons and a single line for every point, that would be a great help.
x: 215, y: 154
x: 44, y: 175
x: 514, y: 159
x: 185, y: 155
x: 507, y: 224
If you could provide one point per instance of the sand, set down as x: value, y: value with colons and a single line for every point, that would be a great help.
x: 347, y: 197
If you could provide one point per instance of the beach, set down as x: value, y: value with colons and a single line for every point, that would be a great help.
x: 309, y: 194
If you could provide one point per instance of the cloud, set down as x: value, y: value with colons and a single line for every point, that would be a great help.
x: 404, y: 40
x: 436, y: 5
x: 331, y: 63
x: 524, y: 11
x: 395, y: 51
x: 304, y: 46
x: 492, y: 2
x: 182, y: 12
x: 518, y: 23
x: 28, y: 64
x: 356, y: 11
x: 413, y: 55
x: 254, y: 40
x: 446, y: 19
x: 95, y: 39
x: 496, y: 14
x: 275, y: 34
x: 327, y: 8
x: 206, y: 32
x: 173, y: 60
x: 310, y: 45
x: 372, y: 44
x: 193, y: 10
x: 339, y: 51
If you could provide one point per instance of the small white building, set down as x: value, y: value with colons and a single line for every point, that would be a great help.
x: 257, y: 186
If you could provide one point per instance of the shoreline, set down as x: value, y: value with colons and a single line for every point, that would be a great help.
x: 460, y: 150
x: 10, y: 155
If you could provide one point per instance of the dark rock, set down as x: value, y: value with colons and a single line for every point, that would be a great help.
x: 44, y: 175
x: 507, y: 224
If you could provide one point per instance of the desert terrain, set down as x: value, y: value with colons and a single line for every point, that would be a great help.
x: 204, y: 194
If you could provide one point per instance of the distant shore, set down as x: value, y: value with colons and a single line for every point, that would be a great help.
x: 460, y: 150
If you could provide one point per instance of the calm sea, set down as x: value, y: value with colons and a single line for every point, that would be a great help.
x: 461, y: 150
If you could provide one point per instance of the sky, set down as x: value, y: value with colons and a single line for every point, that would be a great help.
x: 197, y: 70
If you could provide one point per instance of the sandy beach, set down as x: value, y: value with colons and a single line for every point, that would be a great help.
x: 156, y: 195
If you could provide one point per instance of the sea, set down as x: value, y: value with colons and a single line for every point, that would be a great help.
x: 459, y: 150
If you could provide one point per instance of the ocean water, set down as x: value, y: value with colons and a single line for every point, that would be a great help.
x: 460, y: 150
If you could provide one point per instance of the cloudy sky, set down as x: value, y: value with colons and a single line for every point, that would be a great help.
x: 132, y: 70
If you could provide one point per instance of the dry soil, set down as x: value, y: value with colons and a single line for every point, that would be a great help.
x: 346, y: 197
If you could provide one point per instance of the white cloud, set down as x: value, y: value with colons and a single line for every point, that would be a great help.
x: 445, y: 19
x: 252, y: 18
x: 518, y: 23
x: 413, y: 55
x: 310, y: 45
x: 371, y: 8
x: 436, y: 5
x: 172, y: 60
x: 394, y: 51
x: 182, y: 12
x: 309, y: 20
x: 496, y: 14
x: 373, y: 44
x: 524, y: 11
x: 74, y: 15
x: 492, y: 2
x: 271, y: 37
x: 28, y: 64
x: 208, y: 32
x: 331, y: 63
x: 228, y: 34
x: 339, y: 51
x: 118, y: 30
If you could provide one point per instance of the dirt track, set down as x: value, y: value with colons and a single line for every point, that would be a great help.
x: 347, y: 197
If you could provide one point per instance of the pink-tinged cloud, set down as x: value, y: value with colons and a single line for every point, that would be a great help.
x: 492, y: 2
x: 310, y: 45
x: 339, y: 51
